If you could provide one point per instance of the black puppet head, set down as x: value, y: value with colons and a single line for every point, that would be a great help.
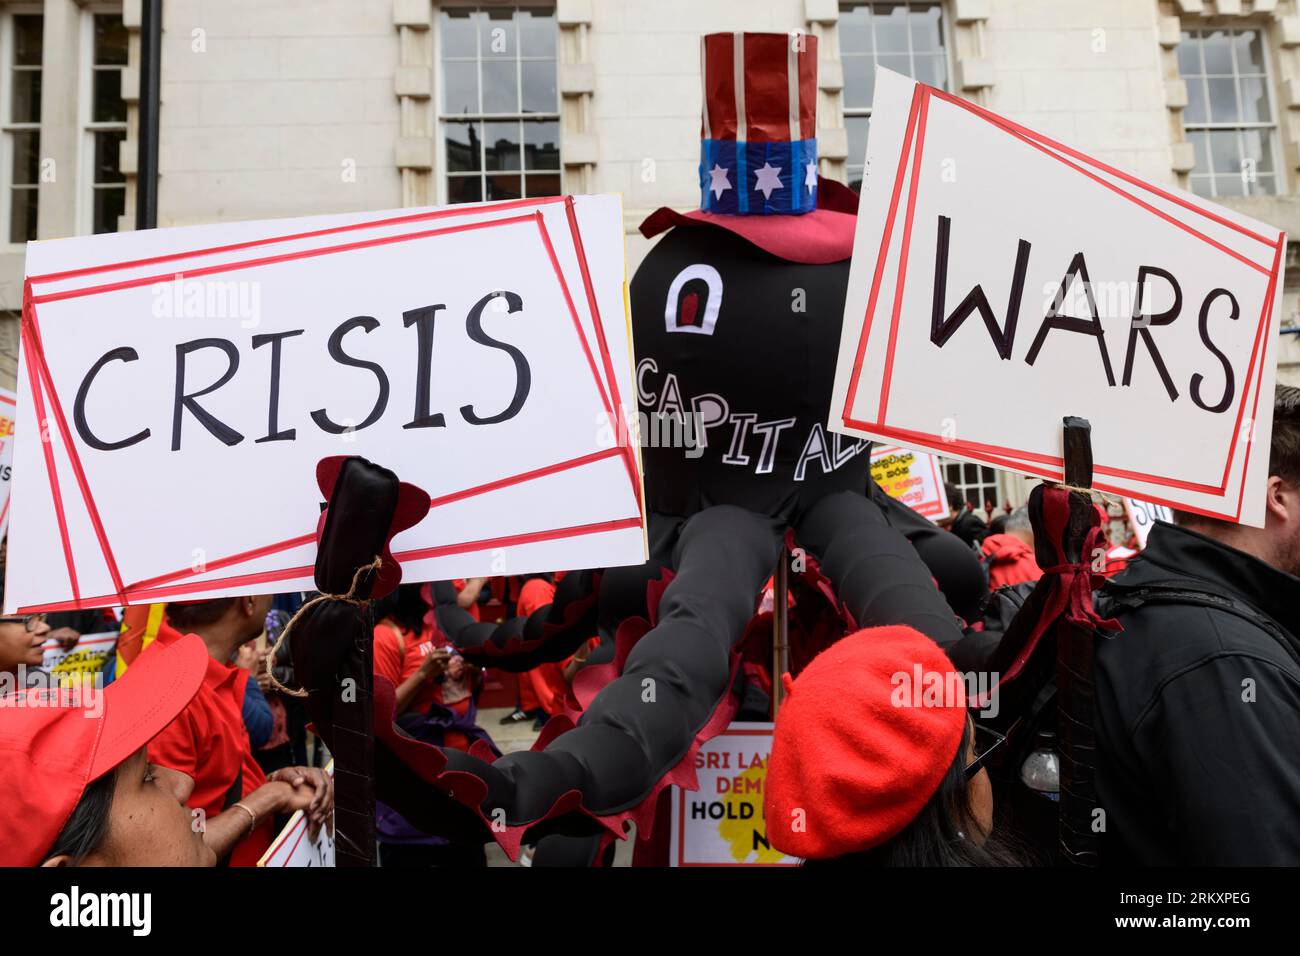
x: 736, y: 354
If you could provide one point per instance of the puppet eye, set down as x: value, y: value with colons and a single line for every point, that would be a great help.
x: 694, y: 299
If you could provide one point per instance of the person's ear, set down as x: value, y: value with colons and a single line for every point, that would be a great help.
x: 61, y: 860
x: 1282, y: 500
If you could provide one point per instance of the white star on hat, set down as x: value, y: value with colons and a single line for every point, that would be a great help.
x: 720, y: 183
x: 767, y: 179
x: 810, y: 180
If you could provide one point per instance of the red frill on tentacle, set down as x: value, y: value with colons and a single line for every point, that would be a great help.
x: 429, y: 763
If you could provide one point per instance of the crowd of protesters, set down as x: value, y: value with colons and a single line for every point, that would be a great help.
x: 185, y: 752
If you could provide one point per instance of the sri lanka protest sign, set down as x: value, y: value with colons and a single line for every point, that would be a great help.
x: 912, y: 477
x: 187, y: 381
x: 1002, y: 280
x: 8, y: 402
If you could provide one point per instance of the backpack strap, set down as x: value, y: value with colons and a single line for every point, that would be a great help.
x: 1117, y: 598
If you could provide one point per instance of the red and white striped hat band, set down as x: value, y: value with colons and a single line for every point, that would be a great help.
x: 759, y: 87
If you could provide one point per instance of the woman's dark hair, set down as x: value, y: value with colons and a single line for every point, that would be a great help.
x: 404, y: 606
x: 939, y: 836
x: 88, y: 825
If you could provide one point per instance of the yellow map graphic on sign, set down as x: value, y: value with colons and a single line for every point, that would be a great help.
x: 746, y: 836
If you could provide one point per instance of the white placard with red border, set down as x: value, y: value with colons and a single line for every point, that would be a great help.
x: 294, y: 846
x: 994, y: 286
x: 502, y: 414
x: 721, y: 823
x: 87, y: 657
x: 912, y: 477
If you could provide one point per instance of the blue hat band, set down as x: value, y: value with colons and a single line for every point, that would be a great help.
x: 758, y: 179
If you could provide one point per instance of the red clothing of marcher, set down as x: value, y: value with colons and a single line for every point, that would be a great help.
x: 1010, y: 561
x: 208, y: 741
x: 398, y: 655
x: 544, y: 686
x: 1117, y: 559
x: 459, y: 585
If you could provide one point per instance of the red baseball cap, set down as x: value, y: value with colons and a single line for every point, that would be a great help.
x: 54, y: 742
x: 862, y: 742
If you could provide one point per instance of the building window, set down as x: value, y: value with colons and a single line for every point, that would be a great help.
x: 20, y: 117
x: 977, y: 484
x: 906, y: 37
x: 500, y: 117
x: 1229, y: 116
x: 105, y: 126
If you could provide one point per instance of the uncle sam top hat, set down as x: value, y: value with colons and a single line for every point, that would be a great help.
x: 758, y: 151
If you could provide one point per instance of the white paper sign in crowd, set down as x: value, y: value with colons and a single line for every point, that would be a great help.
x: 191, y: 378
x: 8, y: 403
x: 294, y: 846
x: 1001, y: 281
x: 1143, y: 515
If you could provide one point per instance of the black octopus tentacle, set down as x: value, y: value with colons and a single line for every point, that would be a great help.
x: 641, y: 725
x: 874, y: 568
x: 551, y: 633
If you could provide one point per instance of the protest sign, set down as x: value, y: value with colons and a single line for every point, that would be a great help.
x: 85, y: 658
x: 721, y: 823
x: 8, y: 401
x: 1002, y: 280
x: 1142, y: 515
x: 912, y: 477
x: 192, y: 378
x: 293, y: 847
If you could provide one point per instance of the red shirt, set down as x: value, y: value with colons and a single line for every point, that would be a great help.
x: 398, y: 655
x: 208, y: 741
x: 1010, y: 561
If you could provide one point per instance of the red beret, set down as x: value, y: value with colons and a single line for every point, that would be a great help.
x: 862, y: 742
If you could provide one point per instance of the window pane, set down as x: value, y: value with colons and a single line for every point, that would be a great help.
x: 1189, y: 55
x: 1223, y: 100
x: 464, y: 189
x: 898, y: 62
x: 538, y: 77
x: 1201, y: 146
x: 1196, y: 111
x: 1229, y: 186
x: 932, y: 70
x: 855, y: 29
x: 107, y: 152
x: 26, y: 105
x: 504, y: 186
x: 500, y: 90
x: 925, y: 30
x: 456, y: 32
x: 1218, y: 53
x: 498, y: 37
x: 110, y: 40
x: 460, y: 88
x: 859, y: 81
x: 463, y: 141
x: 891, y: 28
x: 22, y: 215
x: 1202, y: 186
x: 501, y: 145
x: 28, y: 30
x: 536, y: 33
x: 856, y: 127
x: 1254, y: 100
x: 544, y: 185
x: 109, y: 204
x: 1250, y: 55
x: 1224, y: 156
x: 1264, y: 186
x: 109, y: 106
x: 542, y: 145
x: 26, y: 157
